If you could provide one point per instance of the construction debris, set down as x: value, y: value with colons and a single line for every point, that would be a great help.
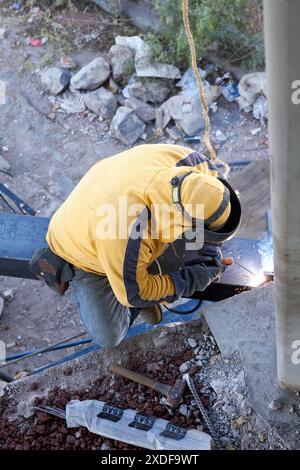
x: 70, y: 101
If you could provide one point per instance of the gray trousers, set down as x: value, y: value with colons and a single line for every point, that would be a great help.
x: 106, y: 320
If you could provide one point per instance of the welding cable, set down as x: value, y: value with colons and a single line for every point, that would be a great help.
x: 174, y: 310
x: 40, y: 351
x: 55, y: 348
x: 185, y: 312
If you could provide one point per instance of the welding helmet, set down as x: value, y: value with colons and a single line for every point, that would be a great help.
x: 222, y: 209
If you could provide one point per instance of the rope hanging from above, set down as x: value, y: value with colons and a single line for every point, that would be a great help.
x: 205, y: 108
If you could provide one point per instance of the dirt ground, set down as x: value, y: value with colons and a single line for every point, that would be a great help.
x: 49, y: 154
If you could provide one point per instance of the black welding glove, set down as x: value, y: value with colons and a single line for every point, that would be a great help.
x: 213, y: 251
x: 195, y: 278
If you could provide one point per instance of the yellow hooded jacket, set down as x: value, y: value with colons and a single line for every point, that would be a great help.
x: 89, y: 231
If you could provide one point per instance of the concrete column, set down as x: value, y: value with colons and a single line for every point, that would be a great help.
x: 282, y: 34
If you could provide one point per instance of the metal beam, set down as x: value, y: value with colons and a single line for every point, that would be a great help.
x: 20, y: 236
x: 282, y: 35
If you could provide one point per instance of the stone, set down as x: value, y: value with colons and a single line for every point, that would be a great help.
x: 92, y: 75
x: 122, y: 62
x: 2, y: 388
x: 152, y: 90
x: 67, y: 62
x: 25, y: 409
x: 276, y: 405
x: 192, y: 343
x: 1, y: 306
x: 250, y: 87
x: 184, y: 367
x: 56, y: 79
x: 192, y: 119
x: 184, y: 410
x: 185, y: 110
x: 105, y: 446
x: 156, y: 70
x: 126, y: 126
x: 145, y: 66
x: 144, y: 111
x: 199, y: 363
x: 4, y: 165
x: 239, y: 422
x: 8, y: 294
x: 101, y: 102
x: 220, y: 137
x: 113, y: 86
x: 173, y: 133
x: 3, y: 33
x: 260, y: 109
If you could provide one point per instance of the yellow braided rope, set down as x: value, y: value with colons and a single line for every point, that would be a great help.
x: 205, y: 108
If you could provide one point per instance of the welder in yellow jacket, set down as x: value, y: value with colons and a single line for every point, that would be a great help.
x: 120, y: 218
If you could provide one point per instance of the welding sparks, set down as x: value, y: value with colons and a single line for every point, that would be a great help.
x: 257, y: 279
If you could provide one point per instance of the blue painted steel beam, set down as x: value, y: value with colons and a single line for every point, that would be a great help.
x: 20, y: 236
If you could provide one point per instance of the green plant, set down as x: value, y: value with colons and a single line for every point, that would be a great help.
x: 229, y: 28
x: 128, y: 71
x: 156, y: 47
x: 54, y: 3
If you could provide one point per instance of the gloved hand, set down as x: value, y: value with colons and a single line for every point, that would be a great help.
x: 195, y: 278
x: 211, y: 250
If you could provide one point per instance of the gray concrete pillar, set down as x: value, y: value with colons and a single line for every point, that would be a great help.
x: 282, y: 34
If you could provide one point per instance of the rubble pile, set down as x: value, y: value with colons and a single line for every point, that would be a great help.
x: 137, y: 95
